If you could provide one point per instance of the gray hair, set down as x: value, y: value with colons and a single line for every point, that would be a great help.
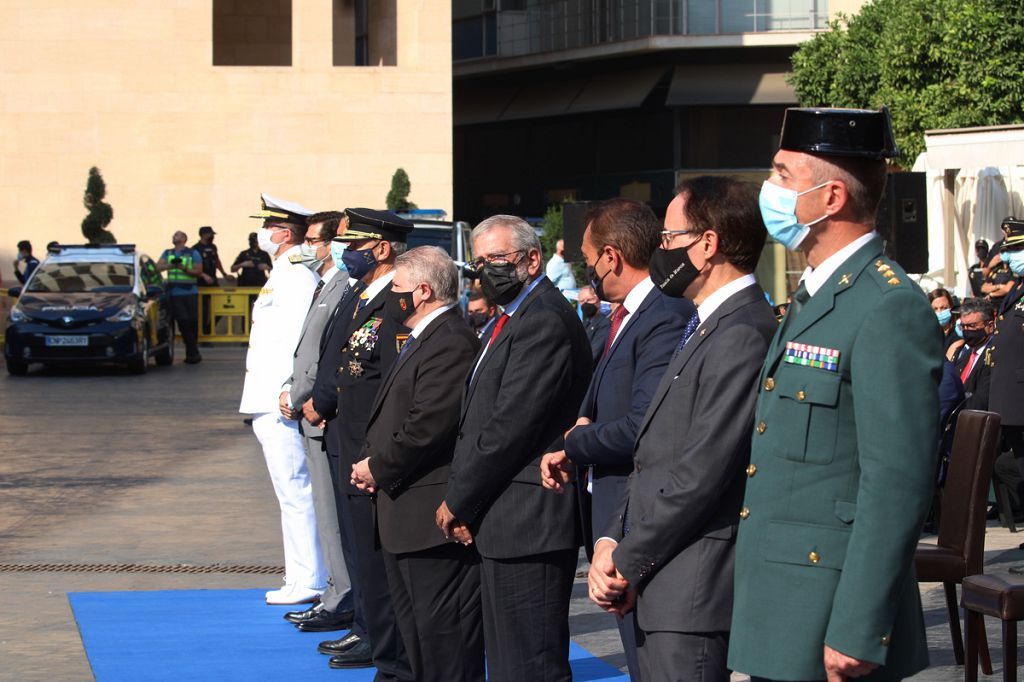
x: 398, y: 248
x: 979, y: 305
x: 433, y: 266
x: 523, y: 235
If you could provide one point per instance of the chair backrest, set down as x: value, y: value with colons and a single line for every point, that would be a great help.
x: 965, y: 497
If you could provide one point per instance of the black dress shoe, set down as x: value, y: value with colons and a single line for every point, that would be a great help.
x: 326, y: 621
x: 333, y: 647
x: 299, y: 616
x: 356, y: 657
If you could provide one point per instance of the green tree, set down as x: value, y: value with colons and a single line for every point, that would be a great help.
x: 934, y: 63
x: 551, y: 229
x: 94, y: 225
x: 398, y: 196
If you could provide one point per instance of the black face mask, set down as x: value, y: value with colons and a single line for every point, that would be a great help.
x: 597, y: 283
x: 399, y: 305
x: 500, y: 282
x: 974, y: 337
x: 672, y: 271
x: 478, y: 319
x: 589, y: 310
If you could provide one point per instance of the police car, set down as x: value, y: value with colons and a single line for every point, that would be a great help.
x: 90, y: 304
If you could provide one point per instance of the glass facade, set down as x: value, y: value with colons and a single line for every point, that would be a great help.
x: 505, y: 28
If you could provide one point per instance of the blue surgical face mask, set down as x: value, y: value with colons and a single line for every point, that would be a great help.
x: 338, y: 255
x: 944, y: 316
x: 359, y: 263
x: 778, y: 210
x: 1015, y: 261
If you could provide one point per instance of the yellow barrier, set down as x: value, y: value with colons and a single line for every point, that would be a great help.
x: 224, y: 313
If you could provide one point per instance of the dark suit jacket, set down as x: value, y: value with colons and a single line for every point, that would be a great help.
x: 371, y: 346
x: 618, y: 396
x: 1006, y: 395
x: 686, y: 490
x: 976, y: 387
x: 597, y: 333
x: 411, y: 435
x: 332, y: 342
x: 524, y: 395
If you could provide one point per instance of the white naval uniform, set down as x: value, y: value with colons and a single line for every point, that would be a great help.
x: 277, y: 318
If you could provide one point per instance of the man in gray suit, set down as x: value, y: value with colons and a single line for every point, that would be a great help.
x: 334, y: 610
x: 669, y: 551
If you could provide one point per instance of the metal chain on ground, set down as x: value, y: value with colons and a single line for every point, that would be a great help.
x: 140, y: 568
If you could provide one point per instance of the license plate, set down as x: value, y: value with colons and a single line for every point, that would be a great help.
x: 76, y: 340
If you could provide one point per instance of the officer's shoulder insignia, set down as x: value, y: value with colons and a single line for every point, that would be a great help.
x: 893, y: 281
x: 400, y: 340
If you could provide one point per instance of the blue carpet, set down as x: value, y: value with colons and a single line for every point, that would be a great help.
x: 219, y: 635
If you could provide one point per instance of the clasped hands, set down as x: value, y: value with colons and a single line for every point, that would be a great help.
x: 362, y: 477
x: 452, y: 527
x: 607, y: 587
x: 556, y: 469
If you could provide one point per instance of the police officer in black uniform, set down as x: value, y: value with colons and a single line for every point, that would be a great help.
x: 1006, y: 395
x: 371, y: 343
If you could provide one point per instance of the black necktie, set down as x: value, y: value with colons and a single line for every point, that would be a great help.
x: 800, y: 298
x: 316, y: 292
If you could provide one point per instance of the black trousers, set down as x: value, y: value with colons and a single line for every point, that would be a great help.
x: 184, y: 311
x: 683, y: 656
x: 348, y: 542
x: 436, y: 596
x: 373, y: 593
x: 526, y: 616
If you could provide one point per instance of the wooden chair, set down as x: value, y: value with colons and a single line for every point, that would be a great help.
x: 960, y: 550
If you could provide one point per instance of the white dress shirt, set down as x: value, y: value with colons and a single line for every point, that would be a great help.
x: 721, y: 295
x: 632, y: 301
x: 815, y: 278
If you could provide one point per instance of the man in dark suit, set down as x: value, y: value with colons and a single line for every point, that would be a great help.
x: 619, y: 239
x: 372, y: 342
x: 523, y: 393
x: 972, y: 357
x: 435, y: 583
x: 596, y: 324
x: 669, y: 551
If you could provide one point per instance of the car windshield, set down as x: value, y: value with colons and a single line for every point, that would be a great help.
x: 70, y: 278
x: 429, y: 236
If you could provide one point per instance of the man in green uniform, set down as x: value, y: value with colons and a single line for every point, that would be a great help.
x: 845, y: 430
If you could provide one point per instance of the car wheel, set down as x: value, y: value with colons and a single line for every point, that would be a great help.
x: 139, y: 363
x: 17, y: 368
x: 165, y: 356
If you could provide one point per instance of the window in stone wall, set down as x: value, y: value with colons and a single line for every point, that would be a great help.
x: 252, y: 32
x: 365, y: 32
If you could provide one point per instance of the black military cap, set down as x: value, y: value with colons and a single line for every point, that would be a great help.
x: 206, y: 229
x: 366, y: 223
x: 864, y: 133
x: 1013, y: 234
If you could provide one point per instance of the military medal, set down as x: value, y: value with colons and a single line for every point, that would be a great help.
x: 812, y: 356
x: 355, y: 368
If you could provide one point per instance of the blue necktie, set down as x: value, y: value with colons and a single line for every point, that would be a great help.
x: 691, y: 327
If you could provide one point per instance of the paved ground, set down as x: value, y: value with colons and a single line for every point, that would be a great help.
x: 101, y: 467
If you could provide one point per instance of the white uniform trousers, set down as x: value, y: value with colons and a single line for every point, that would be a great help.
x: 286, y: 462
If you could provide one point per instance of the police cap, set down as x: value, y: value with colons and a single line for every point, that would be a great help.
x: 366, y: 223
x: 864, y: 133
x: 1013, y: 234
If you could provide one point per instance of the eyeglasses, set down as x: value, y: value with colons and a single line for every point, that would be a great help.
x: 493, y: 259
x: 668, y: 235
x: 311, y: 241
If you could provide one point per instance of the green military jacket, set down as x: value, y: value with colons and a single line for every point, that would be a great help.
x: 842, y: 473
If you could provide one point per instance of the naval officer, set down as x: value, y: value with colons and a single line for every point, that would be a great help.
x: 277, y: 318
x: 845, y: 430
